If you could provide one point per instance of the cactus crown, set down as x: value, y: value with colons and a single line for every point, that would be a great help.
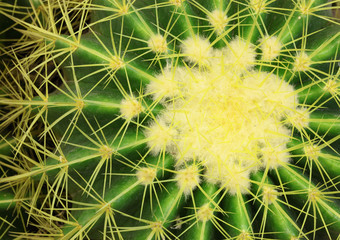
x: 170, y: 119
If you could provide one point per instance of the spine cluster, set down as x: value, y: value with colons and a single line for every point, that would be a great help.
x: 169, y: 119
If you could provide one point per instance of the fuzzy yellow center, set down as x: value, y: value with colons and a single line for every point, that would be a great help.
x: 299, y: 118
x: 177, y: 3
x: 146, y: 175
x: 205, y: 213
x: 332, y: 86
x: 123, y: 10
x: 270, y: 47
x: 157, y: 44
x: 197, y: 50
x: 304, y: 6
x: 105, y: 152
x: 312, y: 151
x: 116, y: 63
x: 157, y: 227
x: 222, y: 113
x: 188, y: 179
x: 258, y: 6
x: 79, y: 104
x: 314, y: 195
x: 302, y: 62
x: 244, y: 236
x: 269, y: 195
x: 218, y: 20
x: 130, y: 108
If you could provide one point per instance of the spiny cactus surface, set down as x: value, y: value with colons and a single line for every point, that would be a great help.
x: 170, y: 119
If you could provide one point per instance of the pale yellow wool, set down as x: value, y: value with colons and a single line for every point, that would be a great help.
x: 230, y: 175
x: 197, y: 50
x: 225, y: 115
x: 244, y: 236
x: 275, y: 156
x: 157, y: 44
x: 146, y: 175
x: 106, y: 152
x: 299, y: 118
x: 205, y: 213
x: 188, y: 179
x: 259, y: 6
x: 312, y: 151
x: 130, y: 108
x: 302, y: 62
x: 166, y: 87
x: 219, y: 20
x: 177, y: 3
x: 332, y: 86
x: 269, y: 195
x: 116, y: 63
x: 314, y: 195
x: 270, y: 47
x: 157, y: 227
x: 239, y: 56
x: 160, y: 136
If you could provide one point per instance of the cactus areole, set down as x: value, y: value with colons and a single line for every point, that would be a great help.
x: 178, y: 119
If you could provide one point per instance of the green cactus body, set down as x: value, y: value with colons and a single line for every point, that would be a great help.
x: 175, y: 119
